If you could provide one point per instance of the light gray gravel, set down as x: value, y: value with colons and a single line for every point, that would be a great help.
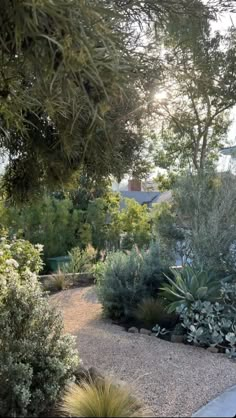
x: 172, y: 379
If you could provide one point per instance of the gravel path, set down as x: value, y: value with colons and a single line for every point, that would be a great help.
x: 172, y: 379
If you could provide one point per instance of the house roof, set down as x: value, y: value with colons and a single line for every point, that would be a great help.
x: 141, y: 197
x: 228, y: 150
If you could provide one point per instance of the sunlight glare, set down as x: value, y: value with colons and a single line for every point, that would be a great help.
x: 160, y: 95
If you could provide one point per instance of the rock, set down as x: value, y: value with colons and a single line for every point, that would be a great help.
x: 145, y: 331
x: 133, y: 330
x: 81, y: 373
x: 213, y: 349
x: 177, y: 338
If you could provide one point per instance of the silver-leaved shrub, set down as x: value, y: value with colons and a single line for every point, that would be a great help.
x: 36, y: 359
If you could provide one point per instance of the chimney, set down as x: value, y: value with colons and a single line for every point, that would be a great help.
x: 134, y: 185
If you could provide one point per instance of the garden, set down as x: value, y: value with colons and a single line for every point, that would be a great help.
x: 113, y: 306
x: 128, y: 293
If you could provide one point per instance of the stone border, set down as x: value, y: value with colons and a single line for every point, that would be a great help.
x: 222, y: 406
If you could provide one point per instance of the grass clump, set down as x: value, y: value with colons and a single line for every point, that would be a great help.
x: 153, y: 311
x: 104, y: 399
x: 57, y: 282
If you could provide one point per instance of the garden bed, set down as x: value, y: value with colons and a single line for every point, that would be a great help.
x: 172, y: 379
x: 135, y: 326
x: 67, y: 280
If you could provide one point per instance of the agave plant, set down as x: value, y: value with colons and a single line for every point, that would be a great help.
x: 188, y: 286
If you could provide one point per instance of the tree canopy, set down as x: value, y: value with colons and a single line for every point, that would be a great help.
x: 73, y: 83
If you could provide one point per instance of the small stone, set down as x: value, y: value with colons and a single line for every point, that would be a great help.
x: 145, y: 331
x: 95, y: 374
x: 177, y: 338
x: 133, y: 330
x: 213, y: 349
x: 81, y: 373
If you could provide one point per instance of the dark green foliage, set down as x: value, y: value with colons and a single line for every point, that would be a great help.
x: 59, y: 223
x: 126, y: 278
x: 75, y: 103
x: 51, y: 222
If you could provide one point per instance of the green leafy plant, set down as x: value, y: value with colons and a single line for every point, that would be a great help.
x: 135, y: 224
x: 189, y: 285
x: 106, y: 399
x: 80, y: 260
x: 52, y: 222
x: 152, y: 311
x: 36, y: 359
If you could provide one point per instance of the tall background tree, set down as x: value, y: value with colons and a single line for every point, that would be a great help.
x: 194, y: 98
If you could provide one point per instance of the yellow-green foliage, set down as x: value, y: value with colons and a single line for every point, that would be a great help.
x: 102, y: 399
x: 135, y: 224
x: 153, y: 311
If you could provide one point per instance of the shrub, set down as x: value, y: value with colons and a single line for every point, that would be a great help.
x: 126, y: 278
x: 205, y: 212
x: 26, y: 255
x: 119, y: 285
x: 54, y: 223
x: 165, y: 228
x: 153, y: 311
x: 105, y: 399
x: 190, y: 285
x: 135, y: 224
x: 153, y: 270
x: 36, y: 360
x: 80, y: 260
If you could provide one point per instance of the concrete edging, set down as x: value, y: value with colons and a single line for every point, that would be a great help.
x: 223, y: 406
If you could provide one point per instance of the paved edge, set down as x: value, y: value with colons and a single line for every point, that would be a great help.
x: 222, y: 406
